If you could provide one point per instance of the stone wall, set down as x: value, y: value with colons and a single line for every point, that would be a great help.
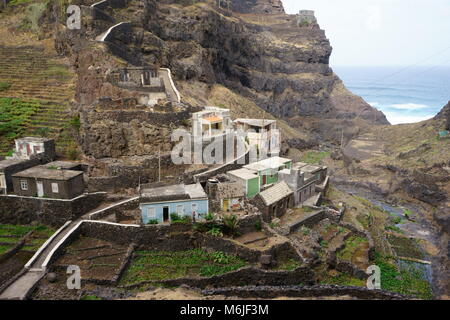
x: 119, y: 176
x: 296, y: 291
x: 242, y: 277
x: 25, y: 210
x: 117, y: 210
x: 122, y: 132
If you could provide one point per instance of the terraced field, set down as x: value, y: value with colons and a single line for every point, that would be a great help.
x: 31, y: 76
x: 10, y: 236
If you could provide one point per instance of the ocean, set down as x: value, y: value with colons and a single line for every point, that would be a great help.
x: 405, y: 95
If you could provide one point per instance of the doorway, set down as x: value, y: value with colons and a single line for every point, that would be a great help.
x: 226, y: 205
x: 40, y: 189
x: 166, y: 214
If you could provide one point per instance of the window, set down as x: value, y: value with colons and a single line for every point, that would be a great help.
x: 180, y: 209
x: 55, y: 187
x: 24, y: 185
x: 151, y: 213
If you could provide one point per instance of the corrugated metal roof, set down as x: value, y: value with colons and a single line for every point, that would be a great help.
x: 276, y: 193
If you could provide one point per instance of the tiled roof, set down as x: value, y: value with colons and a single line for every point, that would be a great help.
x: 276, y: 193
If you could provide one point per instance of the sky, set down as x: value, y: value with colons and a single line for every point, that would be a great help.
x: 383, y: 32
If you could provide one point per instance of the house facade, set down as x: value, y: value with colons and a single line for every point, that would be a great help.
x: 268, y: 169
x: 303, y: 179
x: 261, y: 133
x: 48, y: 183
x: 158, y: 204
x: 225, y: 194
x: 32, y: 147
x: 212, y: 121
x: 249, y: 181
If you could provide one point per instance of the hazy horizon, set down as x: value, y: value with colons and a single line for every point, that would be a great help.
x: 383, y: 32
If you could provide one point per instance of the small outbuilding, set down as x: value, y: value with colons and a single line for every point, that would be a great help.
x: 274, y: 201
x: 249, y: 181
x: 48, y: 183
x: 9, y: 167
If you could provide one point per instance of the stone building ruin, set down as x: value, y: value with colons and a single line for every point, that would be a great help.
x: 306, y: 18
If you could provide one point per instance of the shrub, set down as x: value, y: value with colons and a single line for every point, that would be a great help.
x: 73, y: 153
x: 75, y: 123
x: 209, y: 216
x: 230, y: 222
x: 42, y: 131
x: 258, y: 225
x: 216, y: 232
x: 220, y: 257
x: 153, y: 221
x: 4, y: 86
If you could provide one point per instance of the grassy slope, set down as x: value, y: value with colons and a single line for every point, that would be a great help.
x: 33, y: 75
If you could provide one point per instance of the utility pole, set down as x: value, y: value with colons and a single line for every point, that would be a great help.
x: 159, y: 165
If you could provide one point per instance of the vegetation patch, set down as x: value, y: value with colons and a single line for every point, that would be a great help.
x: 343, y: 279
x: 4, y: 86
x: 15, y: 114
x: 409, y: 280
x: 405, y: 247
x: 162, y: 265
x: 288, y: 265
x: 314, y: 157
x: 352, y: 245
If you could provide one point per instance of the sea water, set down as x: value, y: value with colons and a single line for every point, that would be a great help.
x: 404, y: 94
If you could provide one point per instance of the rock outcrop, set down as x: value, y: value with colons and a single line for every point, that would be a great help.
x: 445, y: 115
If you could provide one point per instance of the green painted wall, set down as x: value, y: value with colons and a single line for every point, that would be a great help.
x: 252, y: 187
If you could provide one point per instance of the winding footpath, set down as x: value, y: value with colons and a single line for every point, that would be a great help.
x: 35, y: 269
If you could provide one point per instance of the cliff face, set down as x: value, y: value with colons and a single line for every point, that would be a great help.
x: 254, y: 49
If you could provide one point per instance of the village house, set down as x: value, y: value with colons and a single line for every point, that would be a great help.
x: 268, y: 169
x: 29, y: 152
x: 158, y: 204
x: 48, y: 183
x: 212, y: 121
x: 261, y: 133
x: 225, y: 194
x: 248, y: 180
x: 274, y: 201
x: 304, y: 179
x: 146, y: 78
x: 31, y: 147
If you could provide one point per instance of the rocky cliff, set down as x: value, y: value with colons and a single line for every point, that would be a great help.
x: 254, y: 49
